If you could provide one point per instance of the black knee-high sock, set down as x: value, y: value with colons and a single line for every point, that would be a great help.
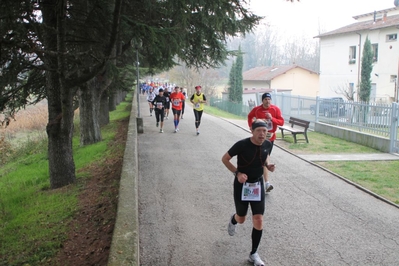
x: 256, y: 236
x: 233, y: 220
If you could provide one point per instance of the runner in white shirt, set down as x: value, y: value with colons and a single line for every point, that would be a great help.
x: 150, y: 97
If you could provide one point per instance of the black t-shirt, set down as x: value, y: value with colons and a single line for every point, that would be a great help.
x: 250, y: 157
x: 166, y: 94
x: 159, y: 102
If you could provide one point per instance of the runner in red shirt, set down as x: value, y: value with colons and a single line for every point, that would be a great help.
x: 176, y: 98
x: 273, y: 118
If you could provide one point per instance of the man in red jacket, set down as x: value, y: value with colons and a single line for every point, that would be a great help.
x: 273, y: 118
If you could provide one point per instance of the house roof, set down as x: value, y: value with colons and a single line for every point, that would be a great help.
x: 267, y: 73
x: 385, y: 22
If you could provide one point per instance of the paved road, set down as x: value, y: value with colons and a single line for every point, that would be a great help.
x: 312, y: 217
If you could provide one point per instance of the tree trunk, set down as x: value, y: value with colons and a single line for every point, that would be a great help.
x: 60, y: 99
x: 112, y: 101
x: 59, y: 131
x: 104, y: 109
x: 120, y: 97
x: 89, y: 110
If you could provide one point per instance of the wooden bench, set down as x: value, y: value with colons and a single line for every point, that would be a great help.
x: 304, y: 125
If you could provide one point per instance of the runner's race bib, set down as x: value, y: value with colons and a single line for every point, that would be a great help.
x: 251, y: 191
x: 176, y: 103
x: 269, y: 124
x: 159, y: 105
x: 197, y: 105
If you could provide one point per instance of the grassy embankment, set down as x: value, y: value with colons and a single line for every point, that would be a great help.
x: 381, y: 177
x: 33, y: 218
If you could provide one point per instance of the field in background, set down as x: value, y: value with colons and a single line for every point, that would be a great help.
x: 25, y: 133
x: 28, y: 122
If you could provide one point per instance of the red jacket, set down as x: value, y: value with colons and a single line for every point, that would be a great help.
x: 259, y: 112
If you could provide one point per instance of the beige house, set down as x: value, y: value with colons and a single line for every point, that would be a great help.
x: 293, y: 79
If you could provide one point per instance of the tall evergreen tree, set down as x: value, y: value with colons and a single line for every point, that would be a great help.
x: 239, y: 67
x: 232, y: 82
x: 235, y: 79
x: 367, y: 67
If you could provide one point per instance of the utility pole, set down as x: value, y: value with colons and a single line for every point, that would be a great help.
x: 137, y: 46
x: 395, y: 95
x: 358, y: 66
x: 140, y: 127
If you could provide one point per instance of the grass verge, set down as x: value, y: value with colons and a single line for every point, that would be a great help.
x: 217, y: 112
x: 320, y: 143
x: 33, y: 219
x: 380, y: 177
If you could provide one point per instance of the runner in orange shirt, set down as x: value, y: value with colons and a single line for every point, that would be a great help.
x: 177, y: 99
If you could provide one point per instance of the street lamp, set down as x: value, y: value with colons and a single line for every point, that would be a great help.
x: 139, y: 120
x: 137, y: 46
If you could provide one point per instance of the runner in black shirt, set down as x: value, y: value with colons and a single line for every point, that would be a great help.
x: 166, y: 93
x: 159, y: 105
x: 248, y: 182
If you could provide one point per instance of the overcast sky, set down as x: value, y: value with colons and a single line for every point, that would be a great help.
x: 306, y: 17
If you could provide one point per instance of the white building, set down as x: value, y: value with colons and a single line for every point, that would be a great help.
x: 341, y: 52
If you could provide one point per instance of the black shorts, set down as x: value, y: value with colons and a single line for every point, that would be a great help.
x: 176, y: 112
x: 167, y: 105
x: 159, y: 114
x: 257, y: 207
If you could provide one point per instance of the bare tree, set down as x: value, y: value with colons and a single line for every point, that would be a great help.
x: 188, y: 78
x: 345, y: 90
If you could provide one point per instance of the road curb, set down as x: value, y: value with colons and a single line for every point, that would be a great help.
x: 125, y: 240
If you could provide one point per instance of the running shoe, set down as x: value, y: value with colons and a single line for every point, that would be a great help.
x: 255, y: 259
x: 231, y: 228
x: 175, y: 130
x: 269, y: 187
x: 161, y: 130
x: 157, y: 124
x: 197, y: 133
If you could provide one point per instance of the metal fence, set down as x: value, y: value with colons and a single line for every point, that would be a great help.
x: 369, y: 118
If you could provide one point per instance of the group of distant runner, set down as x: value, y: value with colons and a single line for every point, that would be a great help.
x: 161, y: 99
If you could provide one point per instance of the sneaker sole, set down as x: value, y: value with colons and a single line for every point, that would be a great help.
x: 251, y: 261
x: 270, y: 188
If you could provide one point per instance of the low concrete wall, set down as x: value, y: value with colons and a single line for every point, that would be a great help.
x: 368, y: 140
x: 125, y: 239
